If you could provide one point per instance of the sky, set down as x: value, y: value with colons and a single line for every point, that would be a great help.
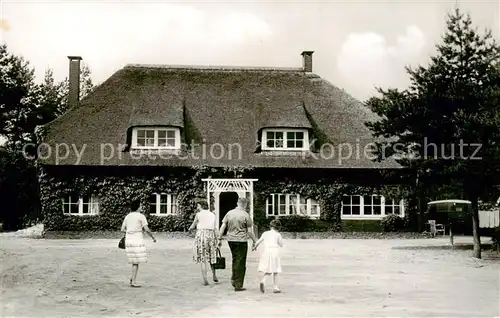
x: 359, y: 45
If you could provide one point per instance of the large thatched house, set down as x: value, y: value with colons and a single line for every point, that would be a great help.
x: 167, y: 134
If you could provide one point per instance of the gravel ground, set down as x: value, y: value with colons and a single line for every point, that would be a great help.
x: 322, y: 278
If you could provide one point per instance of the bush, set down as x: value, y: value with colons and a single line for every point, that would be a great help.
x: 392, y: 223
x: 169, y: 223
x: 296, y: 223
x: 361, y: 226
x: 496, y: 239
x: 18, y: 191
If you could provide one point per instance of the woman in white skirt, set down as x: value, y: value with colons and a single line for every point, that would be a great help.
x: 133, y: 225
x: 205, y: 242
x: 270, y: 262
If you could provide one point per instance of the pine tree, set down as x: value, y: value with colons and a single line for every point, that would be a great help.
x: 25, y: 104
x: 453, y: 103
x: 17, y: 96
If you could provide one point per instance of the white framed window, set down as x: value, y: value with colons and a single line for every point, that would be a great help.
x: 373, y: 207
x: 156, y: 138
x: 393, y: 207
x: 285, y: 139
x: 291, y: 204
x: 163, y: 204
x: 73, y: 205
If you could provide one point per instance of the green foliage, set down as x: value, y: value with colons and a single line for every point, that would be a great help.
x: 24, y: 104
x: 169, y: 223
x: 18, y: 190
x: 486, y: 206
x: 392, y: 223
x: 296, y: 223
x: 361, y: 226
x: 52, y: 96
x: 454, y: 99
x: 52, y: 99
x: 328, y: 194
x: 454, y: 104
x: 17, y: 96
x: 116, y: 191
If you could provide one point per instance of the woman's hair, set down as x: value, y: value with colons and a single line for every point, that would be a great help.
x: 135, y: 205
x: 275, y: 224
x: 203, y: 204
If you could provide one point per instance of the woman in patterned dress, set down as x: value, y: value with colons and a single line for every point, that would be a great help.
x: 205, y: 242
x: 133, y: 225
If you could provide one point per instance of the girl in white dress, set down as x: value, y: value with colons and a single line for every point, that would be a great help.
x: 270, y: 262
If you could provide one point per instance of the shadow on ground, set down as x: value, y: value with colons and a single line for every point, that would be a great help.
x: 321, y: 278
x: 460, y: 246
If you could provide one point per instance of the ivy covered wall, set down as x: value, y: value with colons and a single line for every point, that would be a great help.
x: 117, y: 186
x: 329, y: 195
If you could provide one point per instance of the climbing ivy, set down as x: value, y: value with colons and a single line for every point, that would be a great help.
x: 115, y: 192
x: 328, y: 194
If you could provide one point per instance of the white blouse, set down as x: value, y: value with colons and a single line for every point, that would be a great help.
x: 134, y: 222
x: 206, y: 220
x: 272, y: 239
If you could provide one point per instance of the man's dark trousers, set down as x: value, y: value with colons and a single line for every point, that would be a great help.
x: 239, y: 252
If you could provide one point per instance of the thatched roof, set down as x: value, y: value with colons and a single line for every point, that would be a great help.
x: 215, y: 105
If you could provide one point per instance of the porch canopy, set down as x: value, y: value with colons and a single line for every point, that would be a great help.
x: 231, y: 185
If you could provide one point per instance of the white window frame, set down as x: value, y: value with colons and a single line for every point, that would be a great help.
x: 305, y: 141
x: 399, y: 205
x: 156, y: 130
x: 363, y: 216
x: 274, y: 200
x: 93, y: 205
x: 172, y: 201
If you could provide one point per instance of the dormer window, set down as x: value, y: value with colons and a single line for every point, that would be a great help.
x: 285, y: 139
x: 156, y: 138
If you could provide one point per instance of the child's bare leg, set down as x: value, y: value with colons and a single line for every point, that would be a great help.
x: 264, y: 277
x: 275, y: 282
x: 263, y: 281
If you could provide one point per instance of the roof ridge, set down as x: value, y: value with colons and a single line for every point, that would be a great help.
x: 217, y: 68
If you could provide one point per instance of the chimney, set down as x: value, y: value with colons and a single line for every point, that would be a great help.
x: 74, y: 81
x: 307, y: 61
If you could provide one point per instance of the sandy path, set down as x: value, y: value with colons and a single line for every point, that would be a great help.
x: 334, y: 278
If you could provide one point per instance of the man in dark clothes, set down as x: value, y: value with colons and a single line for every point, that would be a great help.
x: 239, y: 228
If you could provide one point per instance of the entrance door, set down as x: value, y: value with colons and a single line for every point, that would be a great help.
x: 227, y: 202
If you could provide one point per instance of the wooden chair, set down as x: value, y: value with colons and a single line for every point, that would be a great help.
x: 436, y: 228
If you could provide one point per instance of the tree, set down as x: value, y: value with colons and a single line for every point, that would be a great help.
x: 18, y: 190
x: 52, y: 98
x: 17, y: 95
x: 446, y: 124
x: 23, y: 106
x: 86, y: 86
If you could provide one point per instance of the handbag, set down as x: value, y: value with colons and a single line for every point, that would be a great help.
x: 220, y: 262
x: 121, y: 244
